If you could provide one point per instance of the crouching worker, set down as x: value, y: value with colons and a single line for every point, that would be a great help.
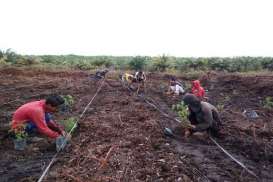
x: 203, y: 116
x: 128, y: 80
x: 198, y: 90
x: 175, y: 87
x: 141, y: 79
x: 101, y: 74
x: 35, y: 117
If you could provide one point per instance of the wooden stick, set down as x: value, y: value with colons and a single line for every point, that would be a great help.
x: 104, y: 161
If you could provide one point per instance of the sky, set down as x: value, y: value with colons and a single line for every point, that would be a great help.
x: 183, y: 28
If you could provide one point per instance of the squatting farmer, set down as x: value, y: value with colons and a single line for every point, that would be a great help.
x: 202, y: 115
x: 175, y: 87
x: 101, y: 74
x: 35, y: 117
x: 128, y: 79
x: 198, y: 90
x: 141, y: 79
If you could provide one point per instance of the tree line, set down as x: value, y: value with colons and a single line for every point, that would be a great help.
x: 158, y: 63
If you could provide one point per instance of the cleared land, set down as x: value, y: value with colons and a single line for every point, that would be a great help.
x: 124, y: 127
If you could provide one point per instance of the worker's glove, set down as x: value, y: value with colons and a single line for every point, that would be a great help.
x: 192, y: 126
x: 187, y: 133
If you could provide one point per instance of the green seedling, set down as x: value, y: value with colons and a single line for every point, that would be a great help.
x: 68, y: 123
x: 19, y: 132
x: 268, y: 103
x: 68, y: 100
x: 182, y: 110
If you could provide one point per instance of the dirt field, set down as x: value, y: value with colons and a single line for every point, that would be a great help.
x: 120, y: 138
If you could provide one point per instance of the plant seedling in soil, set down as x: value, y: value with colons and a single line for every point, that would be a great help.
x: 268, y: 102
x: 19, y: 132
x: 182, y: 111
x: 68, y: 102
x: 68, y: 123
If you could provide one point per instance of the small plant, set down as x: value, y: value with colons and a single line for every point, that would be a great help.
x: 182, y: 111
x: 268, y: 103
x: 68, y: 123
x: 68, y: 102
x: 19, y: 132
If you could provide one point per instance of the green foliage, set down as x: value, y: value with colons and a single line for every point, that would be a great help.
x: 27, y: 60
x: 68, y: 124
x: 1, y: 54
x: 21, y: 135
x: 20, y: 132
x: 161, y: 64
x: 11, y: 56
x: 103, y: 61
x: 182, y: 111
x: 68, y: 100
x: 137, y: 63
x: 268, y: 102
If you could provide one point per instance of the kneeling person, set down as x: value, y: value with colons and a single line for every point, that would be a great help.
x: 101, y: 74
x: 36, y: 117
x: 128, y: 79
x: 203, y: 116
x: 176, y: 87
x: 141, y: 79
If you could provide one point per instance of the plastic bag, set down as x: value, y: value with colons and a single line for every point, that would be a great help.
x: 20, y: 144
x: 61, y: 142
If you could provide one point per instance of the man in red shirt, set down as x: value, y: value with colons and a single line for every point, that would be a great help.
x: 35, y: 116
x: 198, y: 90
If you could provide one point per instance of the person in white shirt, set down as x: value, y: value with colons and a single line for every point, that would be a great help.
x: 176, y: 87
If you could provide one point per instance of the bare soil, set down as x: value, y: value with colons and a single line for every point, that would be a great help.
x: 120, y: 137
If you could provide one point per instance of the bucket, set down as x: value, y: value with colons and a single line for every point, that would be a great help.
x: 20, y: 144
x: 60, y: 143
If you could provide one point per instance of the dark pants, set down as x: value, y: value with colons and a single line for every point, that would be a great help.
x: 32, y: 128
x: 213, y: 130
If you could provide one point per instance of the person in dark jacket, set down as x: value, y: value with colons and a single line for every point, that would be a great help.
x: 101, y: 74
x: 140, y: 77
x: 203, y: 116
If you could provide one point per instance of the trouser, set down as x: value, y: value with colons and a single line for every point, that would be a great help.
x: 213, y: 130
x: 32, y: 128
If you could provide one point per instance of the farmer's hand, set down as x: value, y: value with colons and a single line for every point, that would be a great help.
x: 187, y: 133
x: 192, y: 126
x: 63, y: 132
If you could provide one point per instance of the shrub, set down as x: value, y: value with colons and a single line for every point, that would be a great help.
x: 104, y: 61
x: 11, y: 56
x: 84, y: 65
x: 161, y: 64
x: 137, y: 63
x: 27, y: 60
x: 68, y: 102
